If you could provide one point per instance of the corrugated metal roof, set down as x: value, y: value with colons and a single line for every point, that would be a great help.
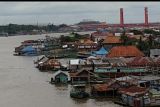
x: 74, y: 61
x: 101, y: 51
x: 116, y: 61
x: 154, y: 93
x: 99, y: 34
x: 107, y: 86
x: 125, y: 78
x: 154, y: 52
x: 100, y: 61
x: 141, y: 61
x: 107, y: 70
x: 133, y: 90
x: 101, y: 87
x: 125, y: 51
x: 112, y: 39
x: 44, y: 59
x: 150, y: 78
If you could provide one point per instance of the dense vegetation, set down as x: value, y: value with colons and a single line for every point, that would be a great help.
x: 145, y: 31
x: 72, y: 37
x: 13, y: 29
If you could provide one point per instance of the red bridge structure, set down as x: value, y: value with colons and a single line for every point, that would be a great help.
x: 145, y: 24
x: 103, y: 25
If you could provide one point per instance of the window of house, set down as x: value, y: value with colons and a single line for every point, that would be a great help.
x: 118, y: 70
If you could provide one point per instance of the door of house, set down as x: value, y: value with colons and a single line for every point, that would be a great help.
x: 57, y: 80
x: 63, y: 79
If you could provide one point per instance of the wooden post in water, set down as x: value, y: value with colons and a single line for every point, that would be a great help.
x: 72, y: 80
x: 113, y: 92
x: 89, y: 77
x: 51, y: 80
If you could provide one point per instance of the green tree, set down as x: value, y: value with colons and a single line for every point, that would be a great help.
x: 124, y: 38
x: 137, y: 32
x: 150, y: 41
x: 140, y: 44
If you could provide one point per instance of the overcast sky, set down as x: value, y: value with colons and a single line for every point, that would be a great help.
x: 73, y: 12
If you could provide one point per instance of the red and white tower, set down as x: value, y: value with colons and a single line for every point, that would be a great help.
x: 146, y: 16
x: 121, y: 18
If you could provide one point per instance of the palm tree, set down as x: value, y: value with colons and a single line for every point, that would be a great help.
x: 124, y: 38
x: 151, y: 42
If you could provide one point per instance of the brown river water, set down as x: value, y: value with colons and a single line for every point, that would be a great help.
x: 22, y: 85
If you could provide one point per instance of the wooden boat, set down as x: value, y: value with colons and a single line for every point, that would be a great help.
x: 78, y: 91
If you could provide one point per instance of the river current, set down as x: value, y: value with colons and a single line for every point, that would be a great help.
x: 22, y: 85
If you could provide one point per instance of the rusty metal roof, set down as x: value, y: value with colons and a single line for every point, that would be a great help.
x: 133, y: 90
x: 125, y: 51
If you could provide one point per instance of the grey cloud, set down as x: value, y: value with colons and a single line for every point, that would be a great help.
x: 58, y: 12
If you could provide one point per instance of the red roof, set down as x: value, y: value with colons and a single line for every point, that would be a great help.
x: 112, y: 39
x: 141, y: 61
x: 157, y: 61
x: 86, y: 41
x: 101, y: 87
x: 125, y: 51
x: 133, y: 90
x: 53, y: 62
x: 112, y: 84
x: 83, y: 73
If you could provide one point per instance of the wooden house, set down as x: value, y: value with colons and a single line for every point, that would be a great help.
x: 154, y: 97
x: 61, y: 77
x: 150, y: 81
x: 83, y: 76
x: 106, y: 90
x: 49, y: 64
x: 78, y: 64
x: 97, y: 36
x: 111, y: 41
x: 134, y: 96
x: 86, y: 45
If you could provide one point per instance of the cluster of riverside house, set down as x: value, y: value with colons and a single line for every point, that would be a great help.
x: 36, y: 47
x: 109, y: 68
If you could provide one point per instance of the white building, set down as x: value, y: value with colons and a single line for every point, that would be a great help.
x: 154, y: 53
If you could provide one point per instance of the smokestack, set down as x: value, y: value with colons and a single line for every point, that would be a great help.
x: 121, y: 17
x: 146, y: 16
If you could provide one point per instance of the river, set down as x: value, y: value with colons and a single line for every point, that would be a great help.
x: 22, y: 85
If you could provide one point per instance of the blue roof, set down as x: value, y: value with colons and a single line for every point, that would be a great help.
x: 101, y: 51
x: 28, y: 49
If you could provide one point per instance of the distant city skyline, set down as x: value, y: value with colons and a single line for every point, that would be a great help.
x: 74, y: 12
